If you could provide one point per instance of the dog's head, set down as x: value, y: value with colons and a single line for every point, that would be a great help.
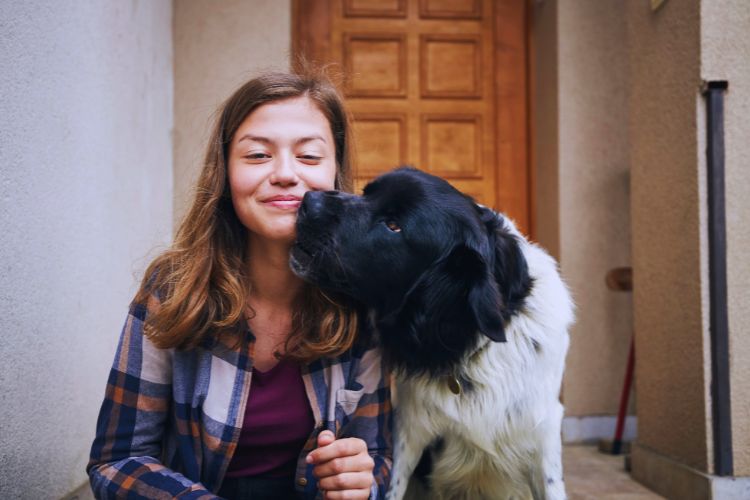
x: 435, y: 269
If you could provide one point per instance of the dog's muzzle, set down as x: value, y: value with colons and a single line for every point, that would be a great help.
x: 317, y: 216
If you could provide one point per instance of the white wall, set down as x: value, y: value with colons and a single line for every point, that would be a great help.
x: 85, y: 196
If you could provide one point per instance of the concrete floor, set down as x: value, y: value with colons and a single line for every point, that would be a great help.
x: 589, y: 475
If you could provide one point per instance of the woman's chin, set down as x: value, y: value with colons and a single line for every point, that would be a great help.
x: 273, y: 237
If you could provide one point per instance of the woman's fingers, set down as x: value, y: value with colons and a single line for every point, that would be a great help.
x: 345, y: 447
x: 357, y: 463
x: 343, y: 467
x: 325, y: 438
x: 346, y: 481
x: 363, y: 494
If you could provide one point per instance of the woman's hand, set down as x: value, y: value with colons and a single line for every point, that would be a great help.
x: 343, y: 467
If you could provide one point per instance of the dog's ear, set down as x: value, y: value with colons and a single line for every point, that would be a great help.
x: 440, y: 316
x: 509, y: 265
x: 467, y: 267
x: 460, y: 277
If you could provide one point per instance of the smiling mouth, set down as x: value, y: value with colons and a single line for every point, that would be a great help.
x: 284, y: 204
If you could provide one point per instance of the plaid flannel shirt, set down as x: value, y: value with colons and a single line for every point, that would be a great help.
x: 171, y: 419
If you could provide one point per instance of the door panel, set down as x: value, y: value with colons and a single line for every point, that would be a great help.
x: 438, y: 84
x: 381, y: 139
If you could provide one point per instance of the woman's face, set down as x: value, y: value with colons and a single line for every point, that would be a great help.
x: 280, y: 151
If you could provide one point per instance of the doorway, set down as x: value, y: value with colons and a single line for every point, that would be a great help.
x: 438, y: 84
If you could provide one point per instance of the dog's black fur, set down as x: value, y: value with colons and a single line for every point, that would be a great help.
x: 435, y: 269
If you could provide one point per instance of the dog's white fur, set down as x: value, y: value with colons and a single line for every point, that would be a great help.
x: 502, y: 433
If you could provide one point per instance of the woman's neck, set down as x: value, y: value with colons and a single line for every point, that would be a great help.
x: 273, y: 284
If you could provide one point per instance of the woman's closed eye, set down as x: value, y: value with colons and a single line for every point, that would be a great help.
x: 310, y: 158
x: 255, y: 156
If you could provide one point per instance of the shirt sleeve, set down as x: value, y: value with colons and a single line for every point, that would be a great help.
x: 372, y: 418
x: 124, y: 460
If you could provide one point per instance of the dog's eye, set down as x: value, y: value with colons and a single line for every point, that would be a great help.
x: 393, y: 226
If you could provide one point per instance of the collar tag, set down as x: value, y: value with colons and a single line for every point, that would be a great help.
x: 454, y: 385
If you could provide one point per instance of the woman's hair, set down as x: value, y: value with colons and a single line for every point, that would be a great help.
x: 201, y: 281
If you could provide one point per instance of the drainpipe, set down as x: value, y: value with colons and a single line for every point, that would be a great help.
x: 717, y: 257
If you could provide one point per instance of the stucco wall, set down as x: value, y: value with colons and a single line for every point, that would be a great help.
x: 86, y: 156
x: 725, y: 52
x: 218, y: 46
x: 582, y: 178
x: 545, y: 120
x: 594, y: 198
x: 667, y: 205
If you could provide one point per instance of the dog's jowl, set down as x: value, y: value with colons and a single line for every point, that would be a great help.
x: 473, y: 319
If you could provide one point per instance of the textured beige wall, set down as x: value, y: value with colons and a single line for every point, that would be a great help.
x: 667, y: 222
x: 725, y: 44
x: 545, y: 137
x: 218, y: 46
x: 582, y: 168
x: 594, y: 198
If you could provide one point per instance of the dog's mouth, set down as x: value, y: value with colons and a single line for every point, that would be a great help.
x: 300, y: 260
x: 319, y: 265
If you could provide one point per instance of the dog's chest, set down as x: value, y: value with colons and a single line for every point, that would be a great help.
x: 466, y: 407
x: 473, y: 429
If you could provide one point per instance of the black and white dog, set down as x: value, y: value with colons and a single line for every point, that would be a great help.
x: 474, y: 320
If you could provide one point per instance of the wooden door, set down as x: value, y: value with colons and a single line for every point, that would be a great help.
x: 437, y: 84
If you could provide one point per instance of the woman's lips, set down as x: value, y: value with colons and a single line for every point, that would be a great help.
x: 284, y: 202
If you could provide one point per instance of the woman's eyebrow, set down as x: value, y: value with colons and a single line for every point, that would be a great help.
x: 303, y: 140
x: 255, y: 138
x: 266, y: 140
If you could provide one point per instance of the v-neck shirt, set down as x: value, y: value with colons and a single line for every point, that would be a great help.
x: 278, y: 421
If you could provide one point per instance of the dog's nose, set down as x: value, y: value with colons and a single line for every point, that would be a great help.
x: 314, y: 203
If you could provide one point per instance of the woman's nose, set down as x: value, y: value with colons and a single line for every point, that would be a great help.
x: 284, y: 171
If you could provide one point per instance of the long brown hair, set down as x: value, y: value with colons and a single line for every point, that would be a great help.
x: 200, y: 282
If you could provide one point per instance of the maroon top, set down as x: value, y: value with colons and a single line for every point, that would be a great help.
x: 278, y: 421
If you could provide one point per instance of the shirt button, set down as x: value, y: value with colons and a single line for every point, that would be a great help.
x: 302, y: 481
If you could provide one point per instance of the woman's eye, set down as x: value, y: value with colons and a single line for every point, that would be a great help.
x: 393, y: 226
x: 310, y: 158
x: 257, y: 156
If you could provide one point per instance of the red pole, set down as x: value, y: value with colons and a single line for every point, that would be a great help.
x: 617, y: 443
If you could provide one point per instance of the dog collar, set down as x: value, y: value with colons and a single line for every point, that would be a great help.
x: 453, y: 381
x: 454, y: 384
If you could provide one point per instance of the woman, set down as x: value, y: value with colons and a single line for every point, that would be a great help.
x: 221, y: 308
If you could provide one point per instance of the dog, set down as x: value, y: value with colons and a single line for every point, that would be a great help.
x: 471, y: 316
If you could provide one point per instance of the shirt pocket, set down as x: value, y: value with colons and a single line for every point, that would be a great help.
x: 348, y: 399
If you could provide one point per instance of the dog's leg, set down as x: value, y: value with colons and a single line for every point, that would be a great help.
x: 547, y: 473
x: 410, y: 443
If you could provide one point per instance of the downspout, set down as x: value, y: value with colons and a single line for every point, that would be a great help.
x: 717, y: 257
